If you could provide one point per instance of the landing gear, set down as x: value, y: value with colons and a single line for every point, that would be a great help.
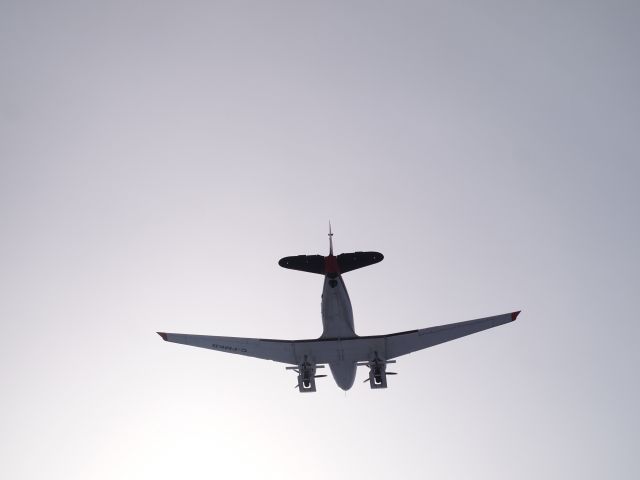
x: 306, y: 376
x: 377, y: 371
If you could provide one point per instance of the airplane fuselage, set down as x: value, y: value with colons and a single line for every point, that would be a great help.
x: 339, y: 346
x: 337, y: 323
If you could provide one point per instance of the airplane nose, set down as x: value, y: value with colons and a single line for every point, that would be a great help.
x: 344, y: 374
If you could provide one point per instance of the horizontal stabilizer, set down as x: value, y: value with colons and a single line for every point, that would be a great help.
x: 343, y: 263
x: 353, y: 261
x: 304, y: 263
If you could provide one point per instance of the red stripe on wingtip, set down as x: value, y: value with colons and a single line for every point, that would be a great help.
x: 163, y: 335
x: 514, y: 315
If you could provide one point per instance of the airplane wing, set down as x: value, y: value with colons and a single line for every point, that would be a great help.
x: 402, y: 343
x: 356, y: 349
x: 276, y: 350
x: 293, y: 352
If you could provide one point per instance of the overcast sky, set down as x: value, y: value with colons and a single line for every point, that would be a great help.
x: 158, y: 158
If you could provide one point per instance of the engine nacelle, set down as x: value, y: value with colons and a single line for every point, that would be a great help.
x: 377, y: 372
x: 306, y: 376
x: 306, y: 382
x: 378, y: 376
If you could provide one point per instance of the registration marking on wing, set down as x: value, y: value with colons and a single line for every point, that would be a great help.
x: 228, y: 348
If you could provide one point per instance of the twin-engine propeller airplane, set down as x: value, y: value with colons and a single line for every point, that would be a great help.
x: 339, y: 346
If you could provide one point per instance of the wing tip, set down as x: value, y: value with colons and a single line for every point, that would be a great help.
x: 163, y: 335
x: 514, y: 315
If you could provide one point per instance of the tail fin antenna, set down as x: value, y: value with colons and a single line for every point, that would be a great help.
x: 330, y: 240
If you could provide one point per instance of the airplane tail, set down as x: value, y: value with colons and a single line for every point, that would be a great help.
x: 331, y: 265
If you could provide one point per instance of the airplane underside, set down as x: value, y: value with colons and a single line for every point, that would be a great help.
x: 339, y: 347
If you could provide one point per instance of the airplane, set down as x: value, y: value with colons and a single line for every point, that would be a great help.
x: 339, y: 346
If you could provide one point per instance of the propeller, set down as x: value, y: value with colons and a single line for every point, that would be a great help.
x: 388, y: 373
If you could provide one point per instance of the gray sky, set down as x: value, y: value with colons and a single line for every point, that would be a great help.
x: 158, y: 158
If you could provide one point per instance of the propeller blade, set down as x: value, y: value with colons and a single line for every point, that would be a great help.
x: 391, y: 373
x: 319, y: 376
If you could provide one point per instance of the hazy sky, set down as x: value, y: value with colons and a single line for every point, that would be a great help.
x: 158, y: 158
